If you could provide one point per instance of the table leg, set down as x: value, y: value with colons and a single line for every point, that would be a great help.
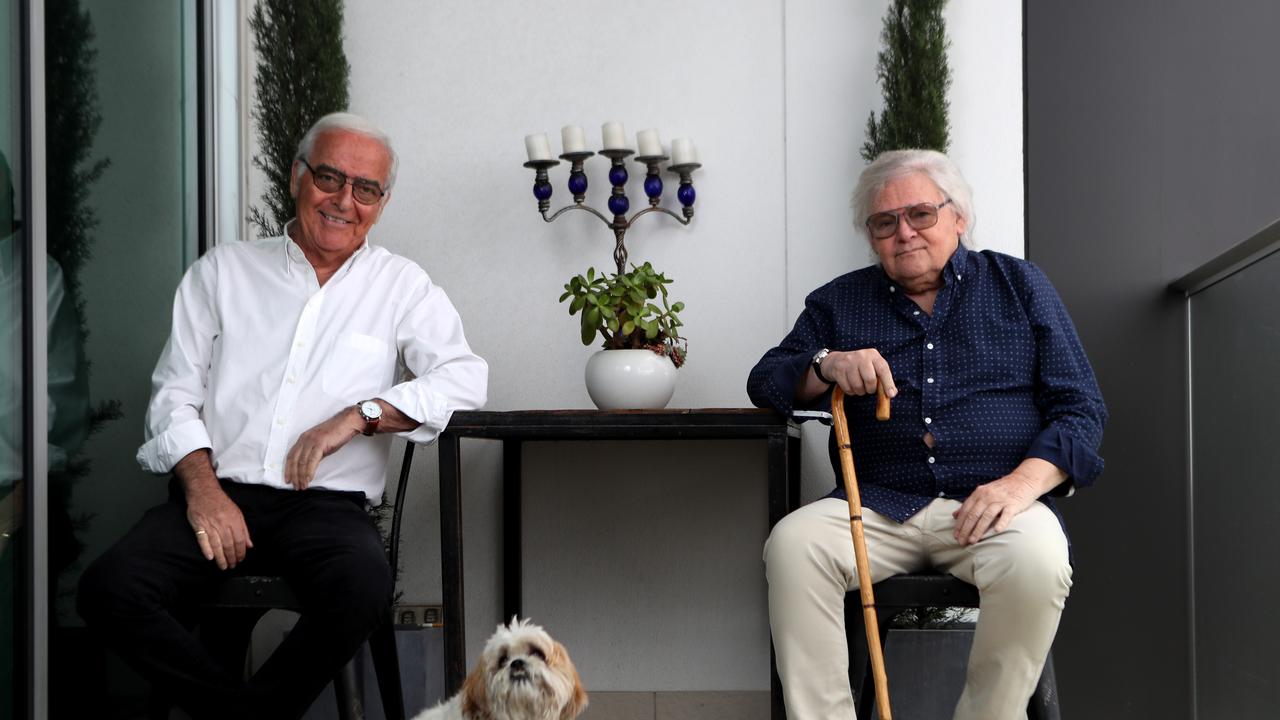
x: 784, y: 496
x: 455, y: 643
x: 779, y: 485
x: 512, y: 568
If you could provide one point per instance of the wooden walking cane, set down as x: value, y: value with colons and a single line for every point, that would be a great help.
x: 860, y: 543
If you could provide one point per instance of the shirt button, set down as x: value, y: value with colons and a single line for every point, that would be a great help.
x: 280, y: 422
x: 931, y: 460
x: 893, y: 289
x: 273, y: 466
x: 292, y: 379
x: 928, y: 421
x: 930, y: 381
x: 942, y: 494
x: 916, y: 312
x: 930, y: 346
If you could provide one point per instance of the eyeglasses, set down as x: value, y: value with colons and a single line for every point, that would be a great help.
x: 365, y: 192
x: 920, y: 216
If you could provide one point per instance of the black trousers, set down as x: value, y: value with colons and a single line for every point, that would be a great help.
x: 139, y: 594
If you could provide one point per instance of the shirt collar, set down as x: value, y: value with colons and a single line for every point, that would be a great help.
x: 957, y: 265
x: 952, y: 271
x: 293, y: 254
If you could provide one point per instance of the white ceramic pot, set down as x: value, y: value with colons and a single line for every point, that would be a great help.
x: 630, y: 379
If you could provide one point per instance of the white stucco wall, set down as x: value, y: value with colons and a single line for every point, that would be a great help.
x: 644, y: 558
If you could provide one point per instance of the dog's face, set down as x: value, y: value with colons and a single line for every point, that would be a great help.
x: 523, y: 675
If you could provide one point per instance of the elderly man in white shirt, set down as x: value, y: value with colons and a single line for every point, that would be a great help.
x: 292, y: 360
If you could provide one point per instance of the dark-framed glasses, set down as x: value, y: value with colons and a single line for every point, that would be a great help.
x: 920, y: 216
x: 326, y: 179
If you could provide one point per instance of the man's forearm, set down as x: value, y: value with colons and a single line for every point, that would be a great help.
x: 394, y: 421
x: 1041, y: 474
x: 195, y: 472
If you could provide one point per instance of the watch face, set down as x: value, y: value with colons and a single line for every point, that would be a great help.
x: 371, y: 409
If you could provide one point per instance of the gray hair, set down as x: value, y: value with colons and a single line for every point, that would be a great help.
x: 893, y: 164
x: 347, y: 122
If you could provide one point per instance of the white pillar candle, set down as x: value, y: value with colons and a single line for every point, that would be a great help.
x: 615, y: 137
x: 573, y: 139
x: 648, y: 143
x: 683, y: 152
x: 538, y: 147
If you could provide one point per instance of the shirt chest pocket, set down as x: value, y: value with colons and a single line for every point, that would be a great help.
x: 358, y: 367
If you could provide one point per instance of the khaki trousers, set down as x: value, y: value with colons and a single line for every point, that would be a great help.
x: 1022, y: 574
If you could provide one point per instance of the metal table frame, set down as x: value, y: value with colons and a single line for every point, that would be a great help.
x: 514, y: 428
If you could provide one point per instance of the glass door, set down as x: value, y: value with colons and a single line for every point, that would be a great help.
x: 14, y: 563
x: 121, y: 116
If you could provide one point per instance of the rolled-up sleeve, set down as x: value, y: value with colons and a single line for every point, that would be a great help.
x: 445, y: 375
x: 1066, y: 391
x: 174, y: 426
x: 773, y: 381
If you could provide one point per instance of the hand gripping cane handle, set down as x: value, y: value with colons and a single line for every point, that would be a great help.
x: 860, y: 543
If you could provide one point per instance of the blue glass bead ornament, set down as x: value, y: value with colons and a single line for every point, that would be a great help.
x: 618, y: 204
x: 653, y: 186
x: 617, y: 176
x: 686, y: 195
x: 542, y: 190
x: 578, y: 183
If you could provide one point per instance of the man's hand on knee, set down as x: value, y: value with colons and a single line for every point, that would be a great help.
x: 992, y: 506
x: 216, y: 520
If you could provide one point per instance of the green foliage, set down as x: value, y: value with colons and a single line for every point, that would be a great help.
x: 622, y: 309
x: 72, y: 119
x: 71, y: 122
x: 302, y: 75
x: 914, y: 78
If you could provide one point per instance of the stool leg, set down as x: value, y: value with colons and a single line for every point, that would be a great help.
x: 386, y: 664
x: 346, y: 687
x: 1044, y: 701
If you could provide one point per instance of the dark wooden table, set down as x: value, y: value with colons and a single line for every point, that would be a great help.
x: 514, y: 428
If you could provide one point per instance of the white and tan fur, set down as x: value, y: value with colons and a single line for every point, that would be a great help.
x: 523, y: 674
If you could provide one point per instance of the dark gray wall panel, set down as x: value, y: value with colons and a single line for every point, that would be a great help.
x: 1151, y: 148
x: 1235, y: 362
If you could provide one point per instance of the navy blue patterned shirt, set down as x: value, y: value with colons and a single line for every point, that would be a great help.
x: 996, y: 373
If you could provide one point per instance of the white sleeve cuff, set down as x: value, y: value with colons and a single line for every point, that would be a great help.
x: 159, y: 454
x: 428, y: 408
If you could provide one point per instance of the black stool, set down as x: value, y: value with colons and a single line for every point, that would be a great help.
x: 227, y: 620
x: 913, y: 592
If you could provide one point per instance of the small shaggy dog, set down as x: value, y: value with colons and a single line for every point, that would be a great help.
x: 523, y: 674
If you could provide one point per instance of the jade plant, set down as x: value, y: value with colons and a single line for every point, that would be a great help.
x: 624, y: 310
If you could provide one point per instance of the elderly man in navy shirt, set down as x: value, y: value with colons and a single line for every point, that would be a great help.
x: 996, y: 410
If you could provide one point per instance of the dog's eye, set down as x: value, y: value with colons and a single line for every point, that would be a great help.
x: 502, y: 660
x: 537, y: 652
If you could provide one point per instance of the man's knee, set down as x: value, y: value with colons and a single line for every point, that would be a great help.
x: 1028, y: 572
x: 105, y: 588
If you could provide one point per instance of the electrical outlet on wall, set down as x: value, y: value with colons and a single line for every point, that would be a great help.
x: 420, y: 615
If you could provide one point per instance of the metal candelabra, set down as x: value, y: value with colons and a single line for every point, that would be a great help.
x: 618, y: 202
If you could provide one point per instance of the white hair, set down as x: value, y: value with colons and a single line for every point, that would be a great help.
x: 893, y: 164
x: 348, y: 122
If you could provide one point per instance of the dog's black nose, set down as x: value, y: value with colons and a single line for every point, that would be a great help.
x: 517, y: 664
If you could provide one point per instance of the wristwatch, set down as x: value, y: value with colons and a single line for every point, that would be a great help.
x: 371, y: 411
x: 816, y: 362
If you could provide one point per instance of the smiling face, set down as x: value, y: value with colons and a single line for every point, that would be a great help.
x: 332, y: 225
x: 915, y: 258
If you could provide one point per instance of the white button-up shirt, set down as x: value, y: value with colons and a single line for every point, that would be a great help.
x: 259, y: 353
